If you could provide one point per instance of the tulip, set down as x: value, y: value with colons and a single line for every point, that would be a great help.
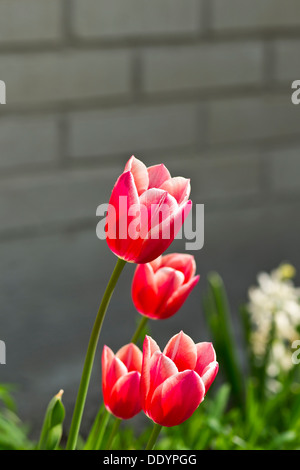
x: 174, y: 382
x: 146, y: 210
x: 121, y: 373
x: 160, y: 288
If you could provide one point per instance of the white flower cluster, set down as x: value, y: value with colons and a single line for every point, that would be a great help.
x: 274, y: 308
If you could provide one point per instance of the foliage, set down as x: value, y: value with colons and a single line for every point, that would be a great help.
x: 244, y: 412
x: 13, y: 433
x: 243, y: 409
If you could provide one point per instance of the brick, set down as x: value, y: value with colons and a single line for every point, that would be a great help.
x: 68, y: 75
x: 195, y: 67
x: 226, y: 176
x: 30, y: 20
x: 256, y: 14
x: 287, y: 61
x: 248, y: 119
x: 125, y: 18
x: 132, y: 130
x: 58, y: 198
x: 285, y: 169
x: 28, y: 140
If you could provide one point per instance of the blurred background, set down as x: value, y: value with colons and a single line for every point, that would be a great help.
x: 203, y: 86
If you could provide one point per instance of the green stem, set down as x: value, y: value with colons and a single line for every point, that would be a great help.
x: 154, y: 435
x: 102, y: 429
x: 139, y: 329
x: 90, y: 355
x: 113, y: 433
x: 93, y: 435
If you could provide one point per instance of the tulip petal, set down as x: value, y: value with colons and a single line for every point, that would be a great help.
x: 149, y: 348
x: 205, y: 355
x: 115, y: 371
x: 107, y: 358
x: 182, y: 350
x: 152, y: 248
x: 209, y: 375
x: 160, y: 206
x: 161, y: 368
x: 125, y: 400
x: 139, y: 172
x: 167, y: 282
x: 168, y: 278
x: 176, y: 399
x: 161, y: 236
x: 131, y: 356
x: 178, y: 187
x: 124, y: 195
x: 175, y: 302
x: 144, y: 290
x: 158, y: 174
x: 180, y: 216
x: 156, y: 263
x: 181, y: 262
x: 111, y: 372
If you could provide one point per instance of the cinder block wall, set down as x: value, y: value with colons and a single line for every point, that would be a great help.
x: 201, y: 85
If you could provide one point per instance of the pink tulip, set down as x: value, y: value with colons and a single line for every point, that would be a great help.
x: 146, y: 210
x: 161, y: 287
x: 175, y: 382
x: 121, y: 375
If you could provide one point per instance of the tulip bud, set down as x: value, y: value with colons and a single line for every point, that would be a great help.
x: 121, y: 380
x: 53, y: 424
x: 161, y: 287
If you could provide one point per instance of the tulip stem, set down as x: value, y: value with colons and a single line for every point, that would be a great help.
x: 139, y: 330
x: 154, y: 435
x: 113, y: 433
x: 90, y: 356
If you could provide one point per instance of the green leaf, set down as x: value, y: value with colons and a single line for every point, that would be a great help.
x: 53, y: 424
x: 220, y: 401
x: 220, y: 322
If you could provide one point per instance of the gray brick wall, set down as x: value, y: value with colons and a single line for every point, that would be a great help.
x: 256, y: 15
x: 132, y: 129
x: 195, y: 67
x: 201, y: 85
x: 129, y: 18
x: 30, y: 21
x: 253, y: 119
x: 54, y: 77
x: 28, y: 140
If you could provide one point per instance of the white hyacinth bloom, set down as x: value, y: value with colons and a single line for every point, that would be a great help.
x: 274, y: 306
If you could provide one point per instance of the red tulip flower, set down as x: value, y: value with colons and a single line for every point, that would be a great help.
x: 146, y: 210
x: 175, y: 382
x: 121, y: 375
x: 161, y: 287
